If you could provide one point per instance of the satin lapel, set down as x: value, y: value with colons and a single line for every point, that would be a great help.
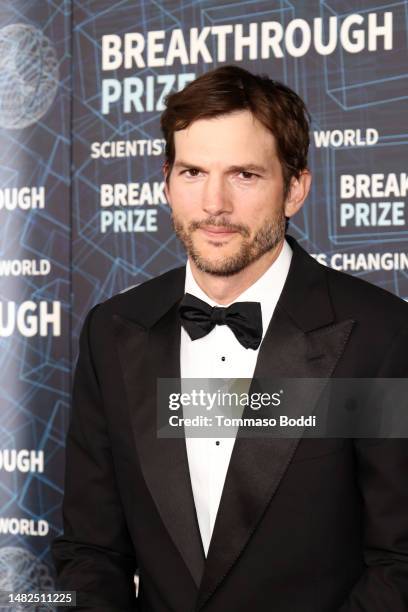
x: 145, y: 355
x: 258, y: 465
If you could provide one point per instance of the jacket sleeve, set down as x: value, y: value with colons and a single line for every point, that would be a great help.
x: 383, y: 481
x: 94, y: 556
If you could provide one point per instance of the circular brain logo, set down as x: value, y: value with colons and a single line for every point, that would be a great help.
x: 28, y: 75
x: 21, y: 571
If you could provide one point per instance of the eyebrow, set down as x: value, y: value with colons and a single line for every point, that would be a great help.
x: 236, y: 168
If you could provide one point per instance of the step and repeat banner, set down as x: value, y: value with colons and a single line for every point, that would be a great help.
x: 35, y: 284
x: 82, y: 205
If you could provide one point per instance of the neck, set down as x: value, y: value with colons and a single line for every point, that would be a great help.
x: 225, y: 289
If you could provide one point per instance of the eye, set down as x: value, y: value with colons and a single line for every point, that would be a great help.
x: 248, y: 175
x: 191, y: 172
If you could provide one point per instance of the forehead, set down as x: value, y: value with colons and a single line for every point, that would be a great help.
x: 225, y: 137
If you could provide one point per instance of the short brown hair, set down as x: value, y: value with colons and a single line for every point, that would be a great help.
x: 231, y: 88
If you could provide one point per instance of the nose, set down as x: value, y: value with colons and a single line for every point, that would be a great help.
x: 216, y: 197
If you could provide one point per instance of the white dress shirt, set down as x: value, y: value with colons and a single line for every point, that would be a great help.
x: 220, y: 355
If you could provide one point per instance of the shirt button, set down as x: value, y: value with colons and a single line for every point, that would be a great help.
x: 217, y: 442
x: 222, y: 358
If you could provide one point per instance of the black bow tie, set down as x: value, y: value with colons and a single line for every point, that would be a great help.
x: 243, y: 318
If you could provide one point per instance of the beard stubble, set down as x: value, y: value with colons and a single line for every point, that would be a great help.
x: 266, y: 239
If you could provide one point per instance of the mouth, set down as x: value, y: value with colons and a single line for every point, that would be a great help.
x: 219, y: 232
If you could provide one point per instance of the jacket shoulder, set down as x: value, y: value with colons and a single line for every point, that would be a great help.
x: 357, y: 298
x: 145, y: 302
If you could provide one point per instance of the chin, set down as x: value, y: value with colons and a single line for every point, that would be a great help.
x: 223, y: 265
x: 216, y: 247
x: 217, y: 259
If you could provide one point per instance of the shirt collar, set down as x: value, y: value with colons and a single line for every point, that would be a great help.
x: 266, y: 289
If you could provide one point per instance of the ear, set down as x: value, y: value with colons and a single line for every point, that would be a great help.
x: 166, y: 176
x: 298, y: 192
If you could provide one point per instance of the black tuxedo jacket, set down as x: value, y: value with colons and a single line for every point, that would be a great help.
x: 316, y: 525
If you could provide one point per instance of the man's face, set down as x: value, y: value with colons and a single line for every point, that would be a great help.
x: 226, y: 192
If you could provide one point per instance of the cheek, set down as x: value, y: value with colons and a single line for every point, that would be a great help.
x: 256, y: 205
x: 185, y: 198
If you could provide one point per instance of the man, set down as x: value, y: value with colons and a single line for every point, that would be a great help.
x: 289, y: 525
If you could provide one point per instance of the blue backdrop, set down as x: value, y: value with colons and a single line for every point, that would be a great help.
x: 82, y: 208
